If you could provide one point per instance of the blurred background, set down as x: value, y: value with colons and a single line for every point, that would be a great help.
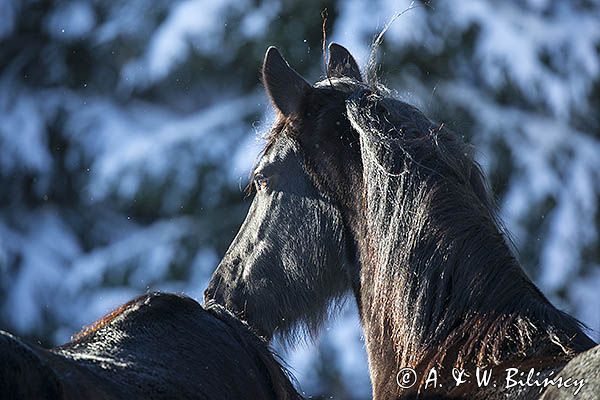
x: 128, y: 129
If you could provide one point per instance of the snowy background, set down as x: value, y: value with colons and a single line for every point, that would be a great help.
x: 128, y: 128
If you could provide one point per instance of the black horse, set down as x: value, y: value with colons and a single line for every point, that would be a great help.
x: 357, y: 191
x: 158, y: 346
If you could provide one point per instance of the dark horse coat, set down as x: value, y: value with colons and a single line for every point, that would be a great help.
x: 158, y: 346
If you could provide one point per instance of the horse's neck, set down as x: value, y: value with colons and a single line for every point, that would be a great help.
x: 441, y: 287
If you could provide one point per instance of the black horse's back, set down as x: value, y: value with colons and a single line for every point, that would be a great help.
x: 23, y: 374
x: 158, y: 346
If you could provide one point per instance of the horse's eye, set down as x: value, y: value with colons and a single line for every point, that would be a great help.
x: 261, y: 182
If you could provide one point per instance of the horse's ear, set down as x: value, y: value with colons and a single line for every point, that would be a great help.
x: 341, y: 63
x: 285, y: 87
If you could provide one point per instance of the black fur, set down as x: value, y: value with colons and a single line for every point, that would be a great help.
x: 342, y: 64
x: 287, y: 90
x: 158, y: 346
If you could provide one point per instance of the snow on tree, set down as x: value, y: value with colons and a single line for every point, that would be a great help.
x: 128, y: 129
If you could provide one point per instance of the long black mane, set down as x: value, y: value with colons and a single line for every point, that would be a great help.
x: 439, y: 276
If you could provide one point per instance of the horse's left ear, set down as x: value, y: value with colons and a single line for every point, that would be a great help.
x: 285, y: 87
x: 342, y: 64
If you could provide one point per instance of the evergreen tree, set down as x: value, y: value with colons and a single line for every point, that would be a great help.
x: 128, y: 128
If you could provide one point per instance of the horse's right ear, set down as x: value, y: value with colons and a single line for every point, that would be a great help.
x: 341, y: 63
x: 285, y: 87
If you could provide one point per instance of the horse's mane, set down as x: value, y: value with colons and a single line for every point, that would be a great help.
x: 437, y: 253
x: 106, y: 320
